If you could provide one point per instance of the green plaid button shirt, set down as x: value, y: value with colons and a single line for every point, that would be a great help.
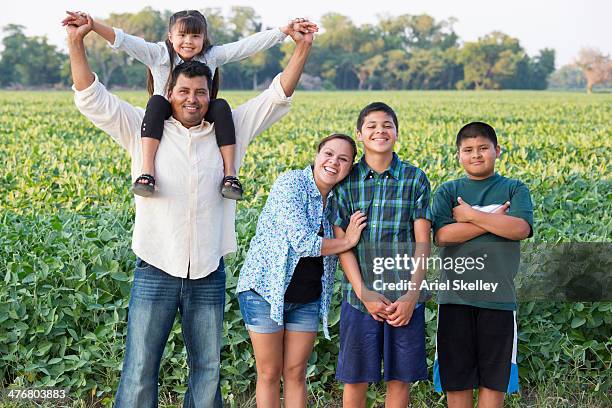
x: 392, y: 201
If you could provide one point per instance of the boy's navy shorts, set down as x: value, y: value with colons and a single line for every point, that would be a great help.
x: 364, y: 342
x: 475, y: 347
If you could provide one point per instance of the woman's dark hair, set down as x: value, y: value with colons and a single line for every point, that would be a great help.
x: 191, y: 22
x: 475, y: 129
x: 344, y: 137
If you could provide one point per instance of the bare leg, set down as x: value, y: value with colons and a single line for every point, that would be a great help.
x: 298, y: 348
x: 354, y: 395
x: 228, y: 153
x: 460, y: 399
x: 268, y: 350
x: 149, y: 149
x: 398, y: 394
x: 488, y: 398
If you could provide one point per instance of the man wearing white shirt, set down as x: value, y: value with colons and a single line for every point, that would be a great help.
x: 181, y: 235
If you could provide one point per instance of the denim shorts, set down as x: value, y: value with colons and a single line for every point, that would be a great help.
x: 300, y: 317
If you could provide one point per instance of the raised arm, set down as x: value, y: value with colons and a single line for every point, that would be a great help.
x: 303, y: 43
x: 82, y: 75
x: 146, y: 52
x: 79, y: 18
x: 257, y: 114
x: 114, y: 116
x: 246, y: 47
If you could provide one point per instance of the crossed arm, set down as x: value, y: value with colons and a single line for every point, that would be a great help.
x: 471, y: 223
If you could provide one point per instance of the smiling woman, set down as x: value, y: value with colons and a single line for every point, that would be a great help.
x: 287, y: 278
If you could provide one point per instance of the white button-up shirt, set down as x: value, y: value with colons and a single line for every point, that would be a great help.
x: 186, y: 225
x: 156, y: 56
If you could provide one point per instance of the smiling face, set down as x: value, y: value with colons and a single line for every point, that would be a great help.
x: 189, y: 100
x: 378, y: 133
x: 332, y: 164
x: 186, y: 45
x: 477, y: 155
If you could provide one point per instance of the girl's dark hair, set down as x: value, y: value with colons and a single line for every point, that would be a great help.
x: 191, y: 22
x: 342, y: 136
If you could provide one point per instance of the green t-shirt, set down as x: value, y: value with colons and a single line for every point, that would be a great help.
x: 489, y: 282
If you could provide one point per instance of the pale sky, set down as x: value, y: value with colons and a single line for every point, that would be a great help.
x: 563, y: 25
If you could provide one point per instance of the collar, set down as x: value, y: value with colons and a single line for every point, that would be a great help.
x: 177, y: 59
x: 394, y: 169
x: 311, y: 186
x: 492, y: 177
x: 202, y: 126
x: 200, y: 57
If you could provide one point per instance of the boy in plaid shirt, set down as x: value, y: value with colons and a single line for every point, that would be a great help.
x: 381, y: 317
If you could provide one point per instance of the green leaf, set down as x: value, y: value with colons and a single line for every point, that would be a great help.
x: 578, y: 321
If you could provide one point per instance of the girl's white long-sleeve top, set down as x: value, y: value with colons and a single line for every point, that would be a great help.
x: 156, y: 56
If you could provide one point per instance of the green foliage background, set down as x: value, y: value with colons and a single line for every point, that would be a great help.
x: 66, y: 219
x: 397, y: 52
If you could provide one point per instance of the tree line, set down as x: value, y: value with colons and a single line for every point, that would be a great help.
x: 399, y: 52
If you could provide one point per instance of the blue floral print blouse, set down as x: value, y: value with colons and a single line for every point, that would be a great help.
x: 287, y: 230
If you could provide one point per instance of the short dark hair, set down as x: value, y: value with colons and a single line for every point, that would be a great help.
x: 376, y: 107
x: 191, y: 69
x: 342, y: 136
x: 475, y: 129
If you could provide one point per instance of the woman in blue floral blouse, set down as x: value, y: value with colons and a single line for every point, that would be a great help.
x: 287, y: 279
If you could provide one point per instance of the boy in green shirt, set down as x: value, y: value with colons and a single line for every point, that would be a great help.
x: 482, y: 216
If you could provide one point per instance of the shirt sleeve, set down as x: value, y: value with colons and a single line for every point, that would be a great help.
x: 442, y: 208
x: 340, y: 211
x: 148, y: 53
x: 288, y: 199
x: 241, y: 49
x: 258, y: 114
x: 106, y: 111
x: 521, y: 205
x: 421, y: 205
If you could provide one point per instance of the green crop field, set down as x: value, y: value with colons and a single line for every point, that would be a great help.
x: 66, y: 219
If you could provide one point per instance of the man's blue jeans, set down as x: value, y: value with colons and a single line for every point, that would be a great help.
x: 155, y: 297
